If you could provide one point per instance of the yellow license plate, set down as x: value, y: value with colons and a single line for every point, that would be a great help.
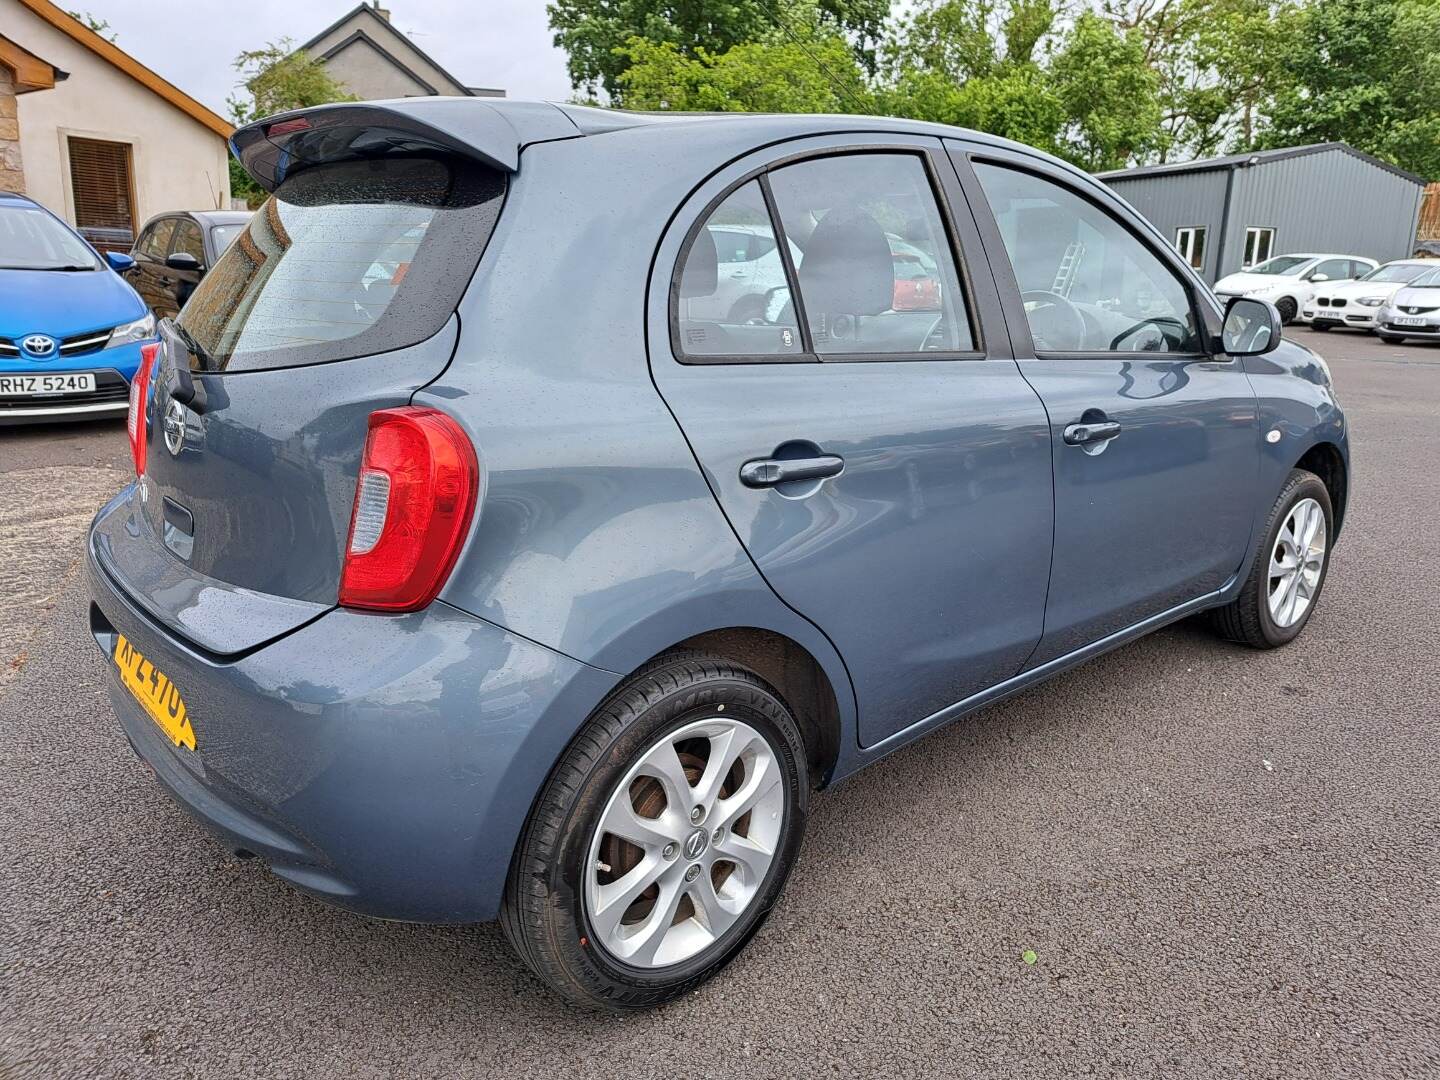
x: 155, y: 692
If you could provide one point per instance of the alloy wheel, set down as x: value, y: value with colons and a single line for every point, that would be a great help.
x: 1296, y: 563
x: 685, y: 842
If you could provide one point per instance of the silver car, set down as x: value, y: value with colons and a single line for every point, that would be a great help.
x: 1414, y: 311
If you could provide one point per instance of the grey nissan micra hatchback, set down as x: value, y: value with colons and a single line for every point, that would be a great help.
x: 535, y: 504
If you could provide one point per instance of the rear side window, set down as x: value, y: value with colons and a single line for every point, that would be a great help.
x: 862, y: 235
x: 346, y: 260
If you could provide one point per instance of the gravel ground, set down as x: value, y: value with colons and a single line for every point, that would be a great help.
x: 1226, y: 862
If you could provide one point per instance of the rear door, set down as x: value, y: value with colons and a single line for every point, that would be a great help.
x: 1156, y: 447
x: 885, y: 465
x: 337, y: 300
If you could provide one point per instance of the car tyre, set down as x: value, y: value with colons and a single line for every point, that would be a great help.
x: 1287, y: 309
x: 1287, y: 560
x: 554, y: 909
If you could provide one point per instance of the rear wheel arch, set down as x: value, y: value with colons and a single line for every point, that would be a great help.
x: 1325, y: 461
x: 796, y: 675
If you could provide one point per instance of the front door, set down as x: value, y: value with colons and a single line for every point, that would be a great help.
x: 882, y: 460
x: 1154, y: 439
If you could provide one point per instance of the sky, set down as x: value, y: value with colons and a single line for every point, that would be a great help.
x: 501, y: 43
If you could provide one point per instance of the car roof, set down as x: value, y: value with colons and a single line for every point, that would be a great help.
x: 494, y: 131
x: 204, y: 217
x: 16, y: 197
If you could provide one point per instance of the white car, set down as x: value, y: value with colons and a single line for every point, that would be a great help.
x: 1356, y: 303
x: 1413, y: 311
x: 1289, y: 281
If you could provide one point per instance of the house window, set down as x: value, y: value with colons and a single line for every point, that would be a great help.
x: 103, y: 191
x: 1259, y: 245
x: 1190, y: 242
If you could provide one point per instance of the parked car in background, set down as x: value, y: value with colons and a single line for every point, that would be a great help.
x: 1289, y: 281
x: 175, y: 249
x: 71, y: 329
x: 503, y: 587
x: 1412, y: 311
x: 1356, y: 303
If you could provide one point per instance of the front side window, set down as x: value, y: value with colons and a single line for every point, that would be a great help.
x: 30, y: 239
x: 1087, y: 283
x: 1259, y: 243
x: 188, y: 241
x: 1190, y: 242
x: 156, y: 241
x: 344, y: 260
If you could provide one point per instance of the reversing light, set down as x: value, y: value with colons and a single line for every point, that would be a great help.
x: 414, y: 501
x: 136, y: 420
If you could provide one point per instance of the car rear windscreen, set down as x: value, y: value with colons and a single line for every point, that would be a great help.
x: 345, y: 260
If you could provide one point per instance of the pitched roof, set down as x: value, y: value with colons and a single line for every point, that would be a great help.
x: 1255, y: 157
x: 384, y: 22
x: 70, y: 26
x: 31, y: 72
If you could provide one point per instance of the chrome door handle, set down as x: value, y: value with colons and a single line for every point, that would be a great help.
x: 767, y: 472
x: 1085, y: 434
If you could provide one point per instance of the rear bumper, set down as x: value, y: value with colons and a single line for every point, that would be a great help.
x: 382, y: 763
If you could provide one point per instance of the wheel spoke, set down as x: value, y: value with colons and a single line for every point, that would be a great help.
x: 761, y: 777
x: 752, y: 859
x: 711, y: 911
x: 651, y: 933
x: 621, y: 820
x: 663, y: 763
x: 725, y: 748
x: 615, y: 897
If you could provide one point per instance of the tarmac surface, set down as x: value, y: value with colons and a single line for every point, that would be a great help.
x: 1227, y: 862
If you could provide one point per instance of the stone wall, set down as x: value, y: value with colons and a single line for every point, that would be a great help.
x: 12, y: 176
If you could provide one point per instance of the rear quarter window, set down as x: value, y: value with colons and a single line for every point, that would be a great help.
x: 346, y: 260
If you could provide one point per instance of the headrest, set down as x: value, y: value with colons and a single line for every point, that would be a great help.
x: 848, y: 268
x: 702, y: 267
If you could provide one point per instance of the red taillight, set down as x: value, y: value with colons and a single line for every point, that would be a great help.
x: 135, y: 420
x: 413, y: 504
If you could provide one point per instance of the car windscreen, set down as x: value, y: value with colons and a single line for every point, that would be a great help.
x: 349, y: 259
x: 30, y: 239
x: 1428, y: 280
x: 1281, y: 264
x: 1393, y: 272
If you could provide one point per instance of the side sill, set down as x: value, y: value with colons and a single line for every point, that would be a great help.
x: 1026, y: 679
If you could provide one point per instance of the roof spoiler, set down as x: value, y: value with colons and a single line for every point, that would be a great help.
x: 280, y: 146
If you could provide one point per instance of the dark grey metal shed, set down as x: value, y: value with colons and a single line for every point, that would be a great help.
x: 1230, y: 212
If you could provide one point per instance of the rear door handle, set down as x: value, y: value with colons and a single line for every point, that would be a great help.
x: 1085, y: 434
x: 768, y: 472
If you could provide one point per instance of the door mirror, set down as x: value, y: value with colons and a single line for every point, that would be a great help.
x: 1319, y: 277
x: 1252, y: 327
x: 183, y: 260
x: 119, y: 261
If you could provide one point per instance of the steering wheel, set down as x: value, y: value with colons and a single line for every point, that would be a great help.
x: 1158, y: 324
x: 1055, y: 323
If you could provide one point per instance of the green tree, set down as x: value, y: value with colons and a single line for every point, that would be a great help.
x: 1109, y: 93
x: 276, y: 79
x: 595, y: 34
x: 767, y: 76
x: 99, y: 26
x: 1365, y: 72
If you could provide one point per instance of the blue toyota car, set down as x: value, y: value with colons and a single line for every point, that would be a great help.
x: 537, y: 503
x: 71, y: 328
